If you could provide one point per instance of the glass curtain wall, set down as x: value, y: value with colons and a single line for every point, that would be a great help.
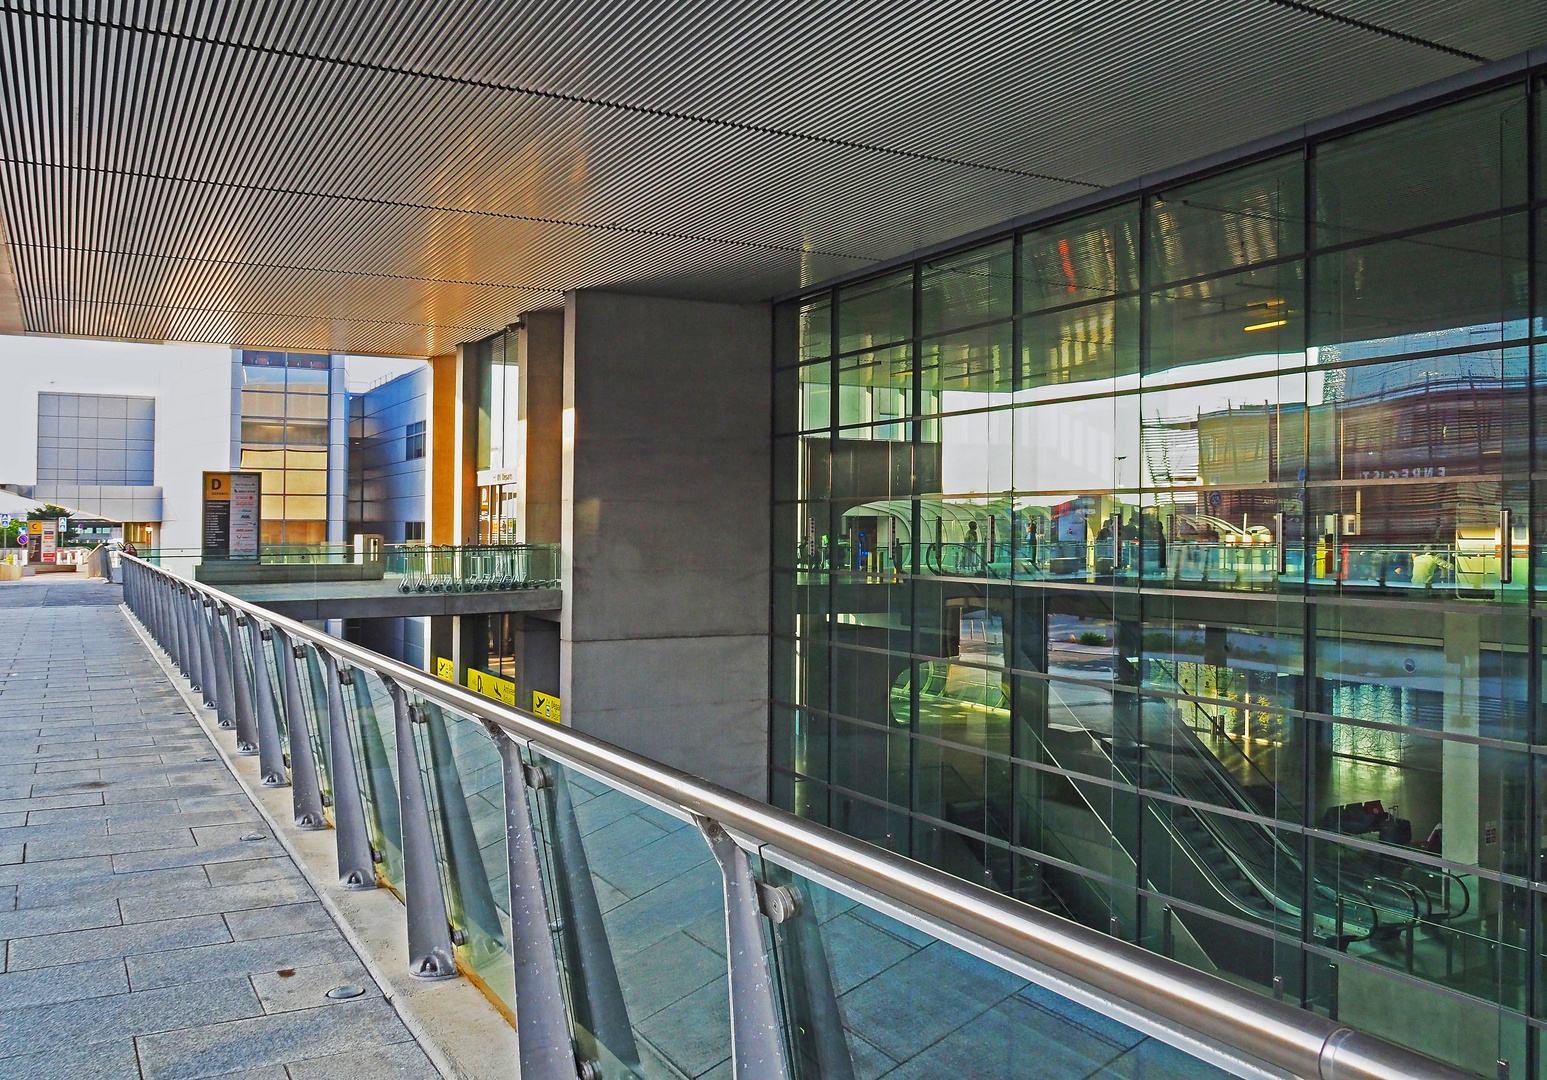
x: 499, y: 438
x: 285, y: 437
x: 1176, y: 567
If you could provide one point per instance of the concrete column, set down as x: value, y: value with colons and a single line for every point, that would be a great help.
x: 1459, y: 761
x: 665, y: 530
x: 440, y: 466
x: 540, y: 408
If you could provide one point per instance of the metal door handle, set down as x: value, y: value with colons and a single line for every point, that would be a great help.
x: 1283, y: 549
x: 1506, y: 546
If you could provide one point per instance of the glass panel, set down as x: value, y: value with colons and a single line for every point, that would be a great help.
x: 1247, y: 216
x: 373, y: 734
x: 1085, y: 259
x: 968, y: 370
x: 1252, y: 317
x: 966, y: 289
x: 882, y: 998
x: 1472, y: 279
x: 1080, y: 346
x: 1462, y: 159
x: 802, y: 331
x: 640, y: 907
x: 875, y: 313
x: 876, y: 386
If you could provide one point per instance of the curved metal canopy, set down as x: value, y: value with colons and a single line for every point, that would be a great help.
x: 396, y: 176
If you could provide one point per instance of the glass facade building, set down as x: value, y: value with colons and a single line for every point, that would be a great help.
x: 1176, y: 565
x: 285, y: 400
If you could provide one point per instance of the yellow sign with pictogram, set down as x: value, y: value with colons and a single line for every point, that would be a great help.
x: 545, y: 705
x: 481, y: 682
x: 445, y: 669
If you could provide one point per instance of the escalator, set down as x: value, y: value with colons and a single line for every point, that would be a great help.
x: 1201, y: 848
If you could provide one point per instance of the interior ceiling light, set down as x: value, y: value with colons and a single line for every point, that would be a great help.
x: 1267, y: 325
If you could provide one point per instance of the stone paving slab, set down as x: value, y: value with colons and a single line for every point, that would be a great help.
x: 141, y: 936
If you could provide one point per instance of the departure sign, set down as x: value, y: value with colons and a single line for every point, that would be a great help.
x: 231, y: 521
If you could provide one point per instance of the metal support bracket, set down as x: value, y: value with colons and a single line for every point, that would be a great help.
x: 431, y: 954
x: 306, y: 793
x: 271, y: 754
x: 225, y: 695
x: 206, y: 652
x: 757, y: 1038
x: 356, y: 862
x: 542, y: 1023
x: 246, y: 725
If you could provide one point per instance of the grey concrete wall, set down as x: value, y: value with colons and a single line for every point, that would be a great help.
x: 663, y: 640
x: 541, y: 406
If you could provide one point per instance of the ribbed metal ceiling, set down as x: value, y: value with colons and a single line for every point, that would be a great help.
x: 396, y: 176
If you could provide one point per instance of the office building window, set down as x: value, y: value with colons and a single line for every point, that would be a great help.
x: 284, y: 435
x: 413, y: 441
x: 413, y: 532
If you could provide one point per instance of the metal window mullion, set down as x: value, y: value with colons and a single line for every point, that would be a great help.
x: 430, y: 951
x: 1308, y: 610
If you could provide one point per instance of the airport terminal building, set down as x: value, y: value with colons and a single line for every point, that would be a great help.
x: 1154, y: 541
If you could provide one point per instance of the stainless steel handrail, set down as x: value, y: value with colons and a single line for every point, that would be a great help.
x: 1279, y: 1035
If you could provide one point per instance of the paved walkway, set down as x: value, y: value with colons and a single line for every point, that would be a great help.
x: 152, y: 928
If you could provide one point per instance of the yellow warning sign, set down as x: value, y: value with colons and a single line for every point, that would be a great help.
x: 481, y: 682
x: 545, y: 705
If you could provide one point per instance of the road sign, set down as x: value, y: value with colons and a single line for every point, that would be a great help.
x: 22, y: 537
x: 5, y: 521
x: 64, y: 523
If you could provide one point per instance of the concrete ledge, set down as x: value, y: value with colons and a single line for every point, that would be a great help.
x: 460, y: 1030
x: 238, y: 572
x: 381, y: 600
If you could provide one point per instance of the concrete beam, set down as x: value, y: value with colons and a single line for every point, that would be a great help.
x: 360, y: 603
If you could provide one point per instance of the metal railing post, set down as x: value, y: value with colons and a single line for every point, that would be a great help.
x: 207, y: 650
x: 542, y: 1024
x: 271, y: 753
x: 191, y: 639
x: 175, y: 627
x: 430, y: 951
x: 246, y: 725
x: 225, y: 695
x: 306, y: 794
x: 757, y: 1037
x: 356, y: 864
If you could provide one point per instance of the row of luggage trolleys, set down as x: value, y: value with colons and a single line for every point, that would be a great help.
x: 474, y: 567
